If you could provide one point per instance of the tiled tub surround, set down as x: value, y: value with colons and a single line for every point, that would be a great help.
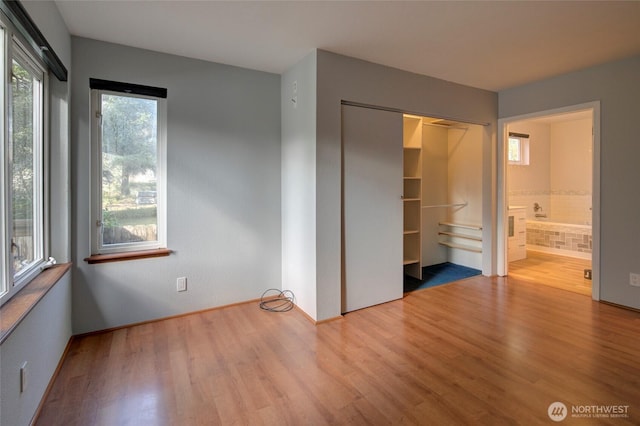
x: 562, y: 206
x: 560, y: 238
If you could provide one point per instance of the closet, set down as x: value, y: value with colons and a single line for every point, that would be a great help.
x: 442, y: 198
x: 411, y: 197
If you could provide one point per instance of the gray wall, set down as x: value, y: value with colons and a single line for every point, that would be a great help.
x: 50, y: 23
x: 343, y: 78
x: 40, y: 341
x: 41, y: 337
x: 299, y: 182
x: 617, y: 86
x: 223, y: 180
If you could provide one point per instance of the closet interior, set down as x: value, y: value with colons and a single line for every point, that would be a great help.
x: 442, y: 198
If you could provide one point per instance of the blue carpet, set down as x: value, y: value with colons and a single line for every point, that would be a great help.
x: 439, y: 274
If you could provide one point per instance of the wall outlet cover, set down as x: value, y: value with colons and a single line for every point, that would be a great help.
x: 182, y: 284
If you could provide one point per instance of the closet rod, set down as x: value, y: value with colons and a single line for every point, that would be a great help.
x: 446, y: 126
x: 446, y: 205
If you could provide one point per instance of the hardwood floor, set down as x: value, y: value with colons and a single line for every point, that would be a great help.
x: 552, y: 270
x: 479, y: 351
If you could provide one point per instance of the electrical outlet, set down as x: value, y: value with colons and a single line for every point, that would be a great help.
x: 634, y: 279
x: 182, y: 284
x: 23, y: 377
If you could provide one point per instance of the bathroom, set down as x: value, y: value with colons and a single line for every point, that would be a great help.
x: 549, y: 182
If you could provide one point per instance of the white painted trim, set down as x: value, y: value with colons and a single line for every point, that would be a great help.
x: 502, y: 234
x: 96, y: 176
x: 96, y: 171
x: 4, y: 165
x: 14, y: 50
x: 502, y: 214
x: 595, y: 202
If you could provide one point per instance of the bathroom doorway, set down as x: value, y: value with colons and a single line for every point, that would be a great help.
x: 550, y: 178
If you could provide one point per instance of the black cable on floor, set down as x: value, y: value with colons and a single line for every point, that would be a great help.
x: 281, y: 301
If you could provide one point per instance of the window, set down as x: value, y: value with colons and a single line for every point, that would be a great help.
x: 518, y: 149
x: 24, y: 184
x: 128, y: 142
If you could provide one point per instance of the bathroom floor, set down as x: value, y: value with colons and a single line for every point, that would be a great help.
x: 552, y: 270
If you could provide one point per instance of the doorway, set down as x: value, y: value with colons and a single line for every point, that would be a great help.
x: 550, y: 198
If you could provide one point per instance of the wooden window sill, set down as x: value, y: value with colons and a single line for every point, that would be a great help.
x: 19, y: 306
x: 130, y: 255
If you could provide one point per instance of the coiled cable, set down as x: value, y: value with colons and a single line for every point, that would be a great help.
x: 282, y: 301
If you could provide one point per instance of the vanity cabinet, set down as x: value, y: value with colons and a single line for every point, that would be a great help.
x: 517, y: 241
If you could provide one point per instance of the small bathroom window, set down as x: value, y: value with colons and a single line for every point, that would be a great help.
x: 518, y: 149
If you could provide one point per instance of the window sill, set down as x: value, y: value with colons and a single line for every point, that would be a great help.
x: 131, y: 255
x: 19, y: 306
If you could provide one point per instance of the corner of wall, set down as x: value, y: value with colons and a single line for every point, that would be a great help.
x: 298, y: 180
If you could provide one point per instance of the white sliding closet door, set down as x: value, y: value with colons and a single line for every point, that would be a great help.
x: 372, y: 218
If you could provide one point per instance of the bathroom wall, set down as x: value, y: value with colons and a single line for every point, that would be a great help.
x: 532, y: 183
x: 559, y: 175
x: 571, y: 171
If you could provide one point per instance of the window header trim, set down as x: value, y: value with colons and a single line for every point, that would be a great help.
x: 518, y: 135
x: 19, y: 17
x: 136, y: 89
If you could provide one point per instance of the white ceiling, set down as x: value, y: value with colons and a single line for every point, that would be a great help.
x: 487, y: 44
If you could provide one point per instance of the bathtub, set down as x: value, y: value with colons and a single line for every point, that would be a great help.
x: 560, y: 238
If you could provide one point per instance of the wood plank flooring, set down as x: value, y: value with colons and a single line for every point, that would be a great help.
x: 493, y: 351
x: 552, y: 270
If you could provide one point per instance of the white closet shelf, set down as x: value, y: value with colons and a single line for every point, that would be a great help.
x: 461, y: 246
x: 411, y: 195
x: 462, y: 225
x: 456, y: 235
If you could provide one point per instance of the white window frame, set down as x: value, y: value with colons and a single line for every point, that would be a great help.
x: 523, y: 149
x: 15, y: 48
x: 4, y: 165
x: 97, y: 247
